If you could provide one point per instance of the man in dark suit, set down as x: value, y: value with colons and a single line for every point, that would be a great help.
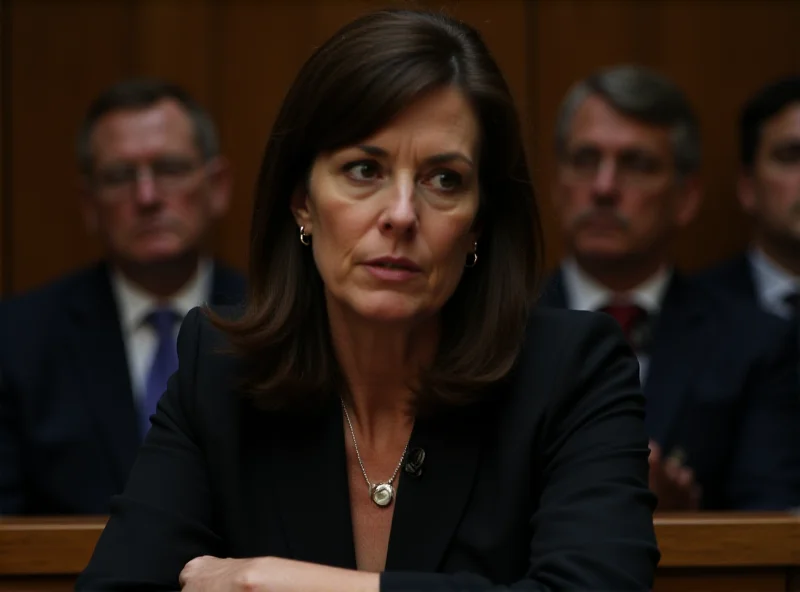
x: 84, y: 360
x: 722, y: 406
x: 768, y: 275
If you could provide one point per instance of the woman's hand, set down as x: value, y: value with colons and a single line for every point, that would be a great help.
x: 209, y: 574
x: 272, y: 574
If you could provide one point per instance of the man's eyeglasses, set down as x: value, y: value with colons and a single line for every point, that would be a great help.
x: 167, y: 173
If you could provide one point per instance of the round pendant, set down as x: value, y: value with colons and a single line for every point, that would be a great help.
x: 382, y: 494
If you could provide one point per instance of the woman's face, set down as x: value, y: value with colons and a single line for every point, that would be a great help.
x: 391, y: 219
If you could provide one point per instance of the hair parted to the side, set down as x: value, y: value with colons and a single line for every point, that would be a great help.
x: 143, y: 93
x: 350, y: 88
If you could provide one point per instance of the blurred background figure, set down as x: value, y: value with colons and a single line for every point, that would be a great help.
x: 84, y: 360
x: 722, y: 404
x: 768, y: 274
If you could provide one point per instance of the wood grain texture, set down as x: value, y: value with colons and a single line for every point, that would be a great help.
x: 240, y: 56
x: 728, y: 539
x: 728, y: 580
x: 47, y: 546
x: 62, y: 54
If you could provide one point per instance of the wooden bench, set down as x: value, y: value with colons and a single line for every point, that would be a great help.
x: 758, y: 552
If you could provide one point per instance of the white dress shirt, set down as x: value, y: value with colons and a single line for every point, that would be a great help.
x: 134, y: 304
x: 773, y: 284
x: 583, y: 292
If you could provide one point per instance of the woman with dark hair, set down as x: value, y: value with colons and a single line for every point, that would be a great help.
x: 390, y: 411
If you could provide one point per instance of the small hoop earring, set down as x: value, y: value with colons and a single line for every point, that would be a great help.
x: 304, y: 238
x: 472, y: 258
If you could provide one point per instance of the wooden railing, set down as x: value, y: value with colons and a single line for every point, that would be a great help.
x: 45, y: 553
x: 706, y: 552
x: 731, y: 551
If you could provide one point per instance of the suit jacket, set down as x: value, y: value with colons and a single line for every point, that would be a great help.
x: 734, y: 277
x: 543, y: 482
x: 68, y: 423
x: 721, y: 387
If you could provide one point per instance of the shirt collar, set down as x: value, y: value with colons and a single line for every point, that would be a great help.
x: 586, y: 293
x: 773, y: 282
x: 135, y: 303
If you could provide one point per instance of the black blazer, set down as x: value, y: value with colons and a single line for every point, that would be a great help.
x: 721, y: 386
x: 68, y: 426
x: 543, y: 483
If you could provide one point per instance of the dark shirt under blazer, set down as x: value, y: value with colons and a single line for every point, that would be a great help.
x: 544, y: 483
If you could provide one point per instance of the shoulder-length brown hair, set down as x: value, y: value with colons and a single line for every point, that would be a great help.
x: 350, y: 88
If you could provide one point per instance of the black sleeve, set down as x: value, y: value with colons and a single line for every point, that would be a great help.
x: 163, y: 518
x: 593, y: 529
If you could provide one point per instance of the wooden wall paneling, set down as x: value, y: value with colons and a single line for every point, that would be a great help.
x: 175, y: 40
x: 260, y: 48
x: 61, y: 54
x: 720, y: 53
x: 239, y: 57
x: 4, y: 152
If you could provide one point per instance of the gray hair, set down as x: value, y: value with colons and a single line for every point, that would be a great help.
x: 141, y: 94
x: 643, y: 95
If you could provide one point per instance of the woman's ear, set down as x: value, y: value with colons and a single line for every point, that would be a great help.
x: 301, y: 208
x: 476, y: 231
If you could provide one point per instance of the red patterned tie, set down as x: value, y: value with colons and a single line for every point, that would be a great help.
x: 627, y: 315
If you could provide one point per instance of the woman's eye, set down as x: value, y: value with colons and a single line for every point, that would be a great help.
x: 362, y: 170
x: 446, y: 181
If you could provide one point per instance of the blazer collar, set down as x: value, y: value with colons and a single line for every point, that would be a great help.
x: 554, y: 294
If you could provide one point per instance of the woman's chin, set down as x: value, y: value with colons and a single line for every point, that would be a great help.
x: 391, y: 312
x: 391, y: 316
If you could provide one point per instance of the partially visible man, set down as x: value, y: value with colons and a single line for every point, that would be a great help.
x: 84, y: 360
x: 721, y: 406
x: 768, y: 275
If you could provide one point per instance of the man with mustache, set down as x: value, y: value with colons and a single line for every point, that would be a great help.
x: 722, y: 408
x: 84, y: 360
x: 768, y: 275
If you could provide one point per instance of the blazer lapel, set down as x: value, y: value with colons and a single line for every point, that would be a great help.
x: 227, y: 286
x: 102, y: 372
x: 741, y: 278
x: 310, y: 480
x: 430, y: 506
x: 677, y: 354
x: 554, y: 295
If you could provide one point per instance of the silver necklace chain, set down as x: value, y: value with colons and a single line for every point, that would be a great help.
x: 361, y: 463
